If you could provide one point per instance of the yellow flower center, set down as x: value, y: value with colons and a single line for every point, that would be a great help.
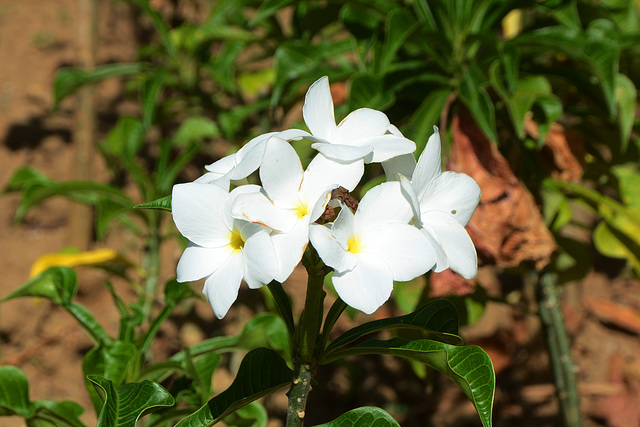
x: 235, y: 240
x: 354, y: 244
x: 302, y: 210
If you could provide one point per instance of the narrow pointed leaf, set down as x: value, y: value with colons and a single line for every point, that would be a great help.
x: 58, y: 284
x: 68, y: 80
x: 365, y: 416
x: 468, y: 366
x: 261, y: 372
x: 125, y: 404
x: 163, y: 203
x: 438, y: 318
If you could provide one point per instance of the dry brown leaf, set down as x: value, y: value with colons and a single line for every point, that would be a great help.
x: 507, y: 228
x: 565, y: 148
x: 607, y: 311
x: 448, y: 283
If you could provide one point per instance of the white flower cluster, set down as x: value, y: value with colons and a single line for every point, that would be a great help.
x: 401, y: 229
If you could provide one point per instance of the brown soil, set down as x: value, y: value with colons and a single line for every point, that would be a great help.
x: 37, y: 37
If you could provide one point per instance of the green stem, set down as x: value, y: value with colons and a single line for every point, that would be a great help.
x: 298, y: 394
x: 311, y: 318
x: 151, y: 265
x: 559, y: 351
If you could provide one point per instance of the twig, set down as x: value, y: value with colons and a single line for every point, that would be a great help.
x: 559, y: 350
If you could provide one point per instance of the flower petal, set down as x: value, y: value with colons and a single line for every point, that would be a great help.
x: 318, y: 109
x: 455, y: 242
x: 386, y: 147
x: 405, y: 249
x: 229, y: 220
x: 249, y: 157
x: 383, y: 204
x: 361, y: 123
x: 198, y: 213
x: 281, y: 173
x: 330, y: 250
x: 323, y: 173
x: 293, y: 134
x: 428, y: 166
x: 222, y: 166
x: 342, y: 228
x: 221, y: 288
x: 197, y: 262
x: 290, y: 247
x: 455, y: 193
x: 410, y: 194
x: 367, y: 286
x: 404, y: 164
x: 258, y: 209
x: 342, y: 153
x: 260, y: 261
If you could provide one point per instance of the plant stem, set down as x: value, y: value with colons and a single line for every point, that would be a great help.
x: 151, y: 264
x: 307, y: 339
x: 311, y: 317
x: 559, y: 351
x: 298, y: 394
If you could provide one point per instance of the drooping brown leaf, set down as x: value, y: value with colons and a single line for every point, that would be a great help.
x: 507, y: 228
x: 564, y: 147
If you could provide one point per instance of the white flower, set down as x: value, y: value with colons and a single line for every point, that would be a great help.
x: 292, y: 198
x: 370, y: 249
x: 245, y: 161
x: 443, y: 203
x: 221, y: 248
x: 361, y: 135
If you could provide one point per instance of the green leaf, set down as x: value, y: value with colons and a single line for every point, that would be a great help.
x: 150, y: 93
x: 37, y: 188
x: 58, y: 284
x: 195, y: 129
x: 251, y: 415
x: 628, y: 183
x: 426, y: 116
x: 267, y: 9
x: 613, y: 243
x: 14, y: 400
x: 125, y: 139
x: 113, y: 361
x: 603, y: 53
x: 125, y: 404
x: 399, y: 26
x: 365, y: 416
x: 438, y: 319
x: 163, y: 203
x: 525, y: 94
x: 369, y: 92
x: 14, y: 392
x: 626, y: 100
x: 477, y: 100
x: 67, y: 80
x: 261, y: 372
x: 468, y: 366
